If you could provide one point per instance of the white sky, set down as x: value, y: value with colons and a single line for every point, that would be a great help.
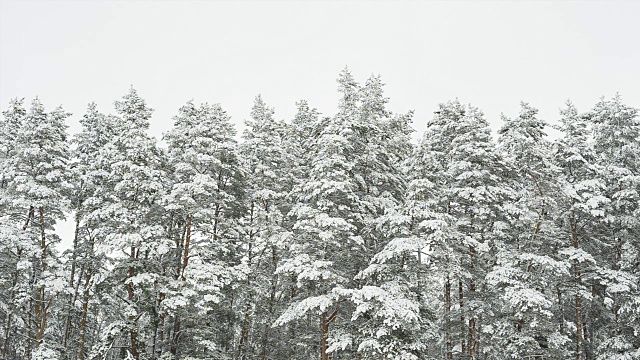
x: 491, y: 54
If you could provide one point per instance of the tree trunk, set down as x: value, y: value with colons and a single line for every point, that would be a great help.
x: 83, y: 319
x: 133, y: 333
x: 187, y: 242
x: 473, y: 338
x: 272, y: 300
x: 447, y: 319
x: 72, y: 297
x: 158, y: 353
x: 325, y: 321
x: 40, y: 308
x: 174, y: 338
x: 181, y: 275
x: 473, y: 341
x: 578, y: 301
x: 579, y: 330
x: 463, y: 325
x: 30, y: 335
x: 324, y: 329
x: 244, y: 335
x: 246, y: 321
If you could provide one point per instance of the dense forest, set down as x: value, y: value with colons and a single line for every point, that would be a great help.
x: 320, y: 237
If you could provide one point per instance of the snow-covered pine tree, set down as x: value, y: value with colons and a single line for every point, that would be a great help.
x: 326, y: 255
x: 10, y: 228
x: 203, y: 202
x: 37, y: 186
x: 529, y: 270
x: 300, y: 139
x: 352, y: 178
x: 297, y: 337
x: 465, y: 219
x: 581, y: 208
x: 130, y: 219
x: 263, y: 237
x: 89, y: 180
x: 388, y: 313
x: 616, y: 136
x: 9, y: 127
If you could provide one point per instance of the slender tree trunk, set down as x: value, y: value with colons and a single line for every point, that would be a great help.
x: 473, y: 338
x: 160, y: 335
x: 226, y: 343
x: 83, y: 317
x: 40, y: 308
x: 30, y: 334
x: 244, y: 334
x: 246, y: 321
x: 578, y: 299
x: 579, y: 330
x: 473, y: 343
x: 292, y: 325
x: 174, y: 338
x: 272, y: 300
x: 324, y: 329
x: 325, y: 321
x: 463, y: 325
x: 133, y: 333
x: 447, y: 319
x: 72, y: 297
x: 187, y: 242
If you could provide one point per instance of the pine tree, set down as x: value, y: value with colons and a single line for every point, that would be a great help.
x: 37, y: 184
x: 263, y: 236
x: 388, y: 313
x: 528, y: 298
x: 10, y: 228
x: 203, y: 202
x: 353, y: 177
x: 581, y: 208
x: 297, y: 337
x: 328, y: 219
x: 616, y: 134
x: 467, y: 218
x: 130, y: 223
x: 89, y: 170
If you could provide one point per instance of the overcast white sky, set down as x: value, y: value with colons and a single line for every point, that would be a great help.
x: 491, y: 54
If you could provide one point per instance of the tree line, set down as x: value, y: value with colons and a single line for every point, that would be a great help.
x: 331, y: 237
